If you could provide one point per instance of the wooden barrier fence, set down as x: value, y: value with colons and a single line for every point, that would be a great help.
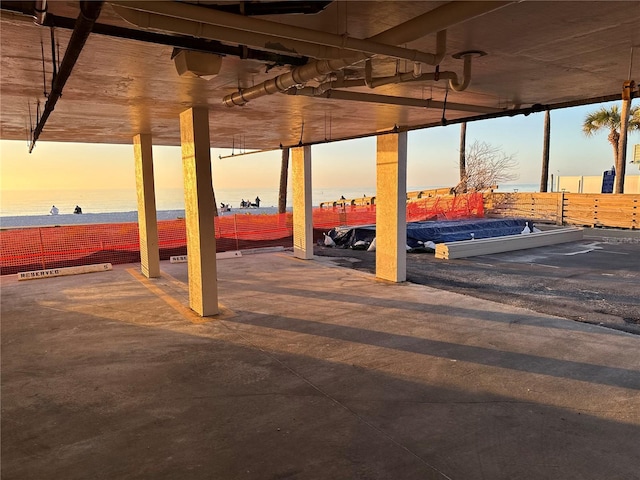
x: 593, y: 210
x: 353, y: 202
x: 411, y: 197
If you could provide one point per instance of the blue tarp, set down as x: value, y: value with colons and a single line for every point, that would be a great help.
x: 419, y: 233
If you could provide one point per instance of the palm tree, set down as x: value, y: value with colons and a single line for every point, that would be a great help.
x: 609, y: 118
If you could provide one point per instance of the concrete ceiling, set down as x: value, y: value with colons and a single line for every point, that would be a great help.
x: 539, y: 55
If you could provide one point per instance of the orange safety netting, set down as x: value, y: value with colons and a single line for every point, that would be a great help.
x: 35, y: 248
x: 447, y: 207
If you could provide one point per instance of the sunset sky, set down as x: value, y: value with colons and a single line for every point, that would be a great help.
x: 432, y: 158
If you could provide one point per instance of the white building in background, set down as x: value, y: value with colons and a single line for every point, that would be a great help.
x: 593, y: 184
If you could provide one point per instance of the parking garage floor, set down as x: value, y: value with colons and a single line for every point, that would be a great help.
x: 312, y: 371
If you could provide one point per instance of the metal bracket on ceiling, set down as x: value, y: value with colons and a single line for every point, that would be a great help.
x: 89, y: 13
x: 444, y: 121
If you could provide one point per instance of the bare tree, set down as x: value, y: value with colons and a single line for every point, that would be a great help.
x: 487, y: 166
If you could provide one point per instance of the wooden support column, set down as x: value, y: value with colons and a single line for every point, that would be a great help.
x: 302, y: 207
x: 391, y: 207
x: 147, y: 216
x: 199, y: 210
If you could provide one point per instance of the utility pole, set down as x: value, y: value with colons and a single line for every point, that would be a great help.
x: 628, y: 88
x: 544, y: 178
x: 463, y: 159
x: 284, y: 173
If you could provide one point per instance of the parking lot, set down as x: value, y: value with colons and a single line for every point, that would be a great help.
x: 596, y: 280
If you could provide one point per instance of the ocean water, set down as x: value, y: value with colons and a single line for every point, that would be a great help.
x: 17, y: 203
x: 39, y: 202
x: 31, y: 208
x: 519, y: 187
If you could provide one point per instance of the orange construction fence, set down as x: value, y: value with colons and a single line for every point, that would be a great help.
x: 36, y: 248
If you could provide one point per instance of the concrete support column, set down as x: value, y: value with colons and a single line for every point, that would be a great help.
x: 199, y: 211
x: 147, y: 217
x: 391, y: 207
x: 302, y: 207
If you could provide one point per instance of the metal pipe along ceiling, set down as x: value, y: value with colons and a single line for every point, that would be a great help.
x: 267, y: 43
x: 414, y: 76
x: 192, y: 20
x: 258, y: 33
x: 410, y: 77
x: 178, y: 41
x: 466, y: 76
x: 439, y: 18
x: 374, y: 82
x: 381, y: 44
x: 301, y: 75
x: 89, y: 13
x: 282, y: 83
x: 447, y: 15
x: 391, y: 100
x: 40, y: 9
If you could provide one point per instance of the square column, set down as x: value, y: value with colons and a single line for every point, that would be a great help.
x: 391, y: 207
x: 302, y: 207
x: 147, y: 216
x: 199, y: 211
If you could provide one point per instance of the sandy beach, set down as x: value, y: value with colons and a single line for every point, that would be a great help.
x: 113, y: 217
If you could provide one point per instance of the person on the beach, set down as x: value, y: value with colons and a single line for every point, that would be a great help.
x: 257, y: 202
x: 77, y: 210
x: 54, y: 210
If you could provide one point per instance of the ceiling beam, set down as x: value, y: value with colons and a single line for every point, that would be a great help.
x: 89, y: 13
x: 392, y: 100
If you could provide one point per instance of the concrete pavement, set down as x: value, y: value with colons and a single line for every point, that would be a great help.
x: 595, y: 280
x: 312, y: 371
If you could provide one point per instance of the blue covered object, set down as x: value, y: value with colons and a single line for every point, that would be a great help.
x: 419, y: 233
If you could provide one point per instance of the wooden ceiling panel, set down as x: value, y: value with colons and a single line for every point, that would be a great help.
x: 537, y: 53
